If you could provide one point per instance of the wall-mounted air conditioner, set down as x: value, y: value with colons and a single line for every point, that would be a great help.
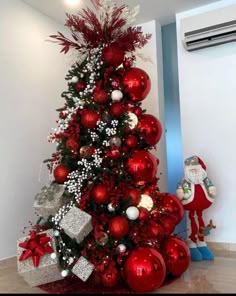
x: 209, y: 29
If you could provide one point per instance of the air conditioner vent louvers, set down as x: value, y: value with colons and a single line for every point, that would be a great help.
x: 220, y: 27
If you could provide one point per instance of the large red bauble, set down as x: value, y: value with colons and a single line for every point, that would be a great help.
x: 117, y: 109
x: 137, y: 83
x: 168, y: 223
x: 131, y: 141
x: 89, y: 118
x: 100, y: 194
x: 149, y: 128
x: 171, y: 205
x: 176, y: 255
x: 100, y: 96
x: 60, y: 173
x: 113, y: 55
x: 156, y: 231
x: 142, y: 165
x: 118, y: 227
x: 134, y: 195
x: 145, y: 269
x: 110, y: 276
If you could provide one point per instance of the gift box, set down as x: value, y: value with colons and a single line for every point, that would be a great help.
x: 83, y: 269
x: 77, y: 224
x: 37, y: 258
x: 49, y: 200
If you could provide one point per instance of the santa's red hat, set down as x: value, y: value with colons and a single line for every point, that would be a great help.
x: 195, y: 160
x: 201, y: 163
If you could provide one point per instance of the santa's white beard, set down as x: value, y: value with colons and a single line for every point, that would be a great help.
x: 195, y: 177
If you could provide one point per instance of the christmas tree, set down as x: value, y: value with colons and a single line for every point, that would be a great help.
x: 103, y: 222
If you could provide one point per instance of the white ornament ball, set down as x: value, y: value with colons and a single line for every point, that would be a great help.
x: 121, y: 248
x: 116, y: 95
x: 74, y: 79
x: 56, y: 233
x: 53, y: 256
x: 133, y: 120
x: 132, y: 213
x: 110, y: 208
x: 64, y: 273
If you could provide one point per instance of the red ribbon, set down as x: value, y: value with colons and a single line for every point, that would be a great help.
x: 35, y: 246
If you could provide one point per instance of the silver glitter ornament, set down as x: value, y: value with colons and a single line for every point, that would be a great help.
x: 115, y: 141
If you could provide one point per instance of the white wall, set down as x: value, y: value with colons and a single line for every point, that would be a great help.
x: 154, y: 103
x: 31, y: 81
x: 207, y: 105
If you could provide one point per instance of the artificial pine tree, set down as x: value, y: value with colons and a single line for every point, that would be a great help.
x: 112, y: 226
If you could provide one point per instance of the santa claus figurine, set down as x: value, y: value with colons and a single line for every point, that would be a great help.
x: 196, y: 192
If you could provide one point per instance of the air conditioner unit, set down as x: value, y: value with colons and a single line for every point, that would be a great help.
x: 209, y: 29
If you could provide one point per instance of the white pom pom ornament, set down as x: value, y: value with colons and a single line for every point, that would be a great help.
x: 74, y: 79
x: 132, y: 213
x: 116, y: 95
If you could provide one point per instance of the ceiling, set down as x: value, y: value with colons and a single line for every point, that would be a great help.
x: 162, y: 10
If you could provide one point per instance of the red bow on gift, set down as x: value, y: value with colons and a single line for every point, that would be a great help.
x: 36, y: 246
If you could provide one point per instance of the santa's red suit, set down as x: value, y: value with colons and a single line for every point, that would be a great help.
x: 196, y: 192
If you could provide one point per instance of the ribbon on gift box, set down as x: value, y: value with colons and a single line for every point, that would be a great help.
x: 35, y: 246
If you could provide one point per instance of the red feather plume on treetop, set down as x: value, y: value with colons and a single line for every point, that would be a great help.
x: 109, y: 24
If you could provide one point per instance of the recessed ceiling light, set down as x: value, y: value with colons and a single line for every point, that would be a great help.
x: 72, y: 2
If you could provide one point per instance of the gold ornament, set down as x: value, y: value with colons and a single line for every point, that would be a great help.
x: 133, y: 120
x: 102, y: 240
x: 146, y: 202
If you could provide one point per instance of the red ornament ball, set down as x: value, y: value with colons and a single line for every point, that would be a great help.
x: 150, y: 190
x: 150, y: 128
x: 134, y: 195
x: 110, y: 276
x: 168, y: 223
x: 80, y: 86
x: 145, y: 269
x: 60, y: 173
x: 100, y: 96
x: 100, y: 194
x: 176, y: 255
x: 131, y: 141
x: 137, y: 84
x: 138, y: 111
x: 113, y: 55
x: 126, y: 63
x: 118, y: 227
x: 130, y: 106
x: 89, y: 118
x: 143, y: 214
x: 142, y: 165
x: 117, y: 109
x: 156, y: 231
x: 72, y: 143
x: 114, y: 153
x: 171, y: 205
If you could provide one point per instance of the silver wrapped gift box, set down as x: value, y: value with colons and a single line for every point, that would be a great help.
x: 48, y: 269
x: 83, y: 269
x: 49, y: 200
x: 77, y: 224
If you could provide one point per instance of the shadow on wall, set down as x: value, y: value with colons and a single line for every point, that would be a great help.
x: 172, y: 115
